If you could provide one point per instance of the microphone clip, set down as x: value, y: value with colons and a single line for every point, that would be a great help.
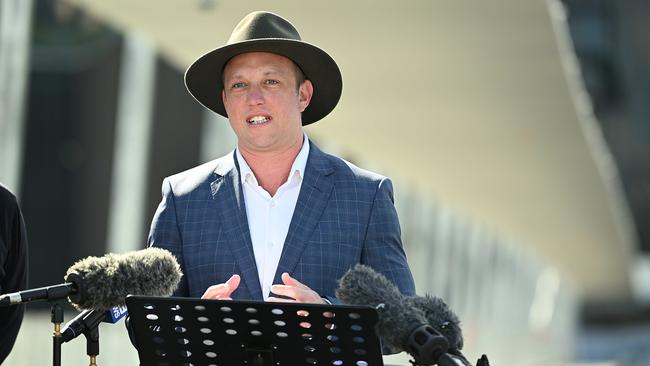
x: 426, y: 345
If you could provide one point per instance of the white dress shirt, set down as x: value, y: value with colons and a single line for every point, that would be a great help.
x: 269, y: 217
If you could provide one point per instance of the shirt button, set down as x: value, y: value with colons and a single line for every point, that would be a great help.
x: 272, y: 204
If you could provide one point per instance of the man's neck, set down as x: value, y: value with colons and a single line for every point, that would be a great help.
x: 272, y: 169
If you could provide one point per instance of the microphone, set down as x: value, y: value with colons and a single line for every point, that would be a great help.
x: 89, y: 319
x: 412, y: 324
x: 401, y: 326
x: 109, y: 279
x: 440, y: 317
x: 103, y: 282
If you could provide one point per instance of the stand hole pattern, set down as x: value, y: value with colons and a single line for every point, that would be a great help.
x: 183, y: 331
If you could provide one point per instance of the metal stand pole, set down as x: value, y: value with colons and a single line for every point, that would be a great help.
x: 57, y: 319
x: 92, y: 344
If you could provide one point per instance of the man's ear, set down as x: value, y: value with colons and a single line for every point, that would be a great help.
x: 223, y: 97
x: 305, y: 92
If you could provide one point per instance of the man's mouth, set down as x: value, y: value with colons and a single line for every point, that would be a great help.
x: 258, y: 120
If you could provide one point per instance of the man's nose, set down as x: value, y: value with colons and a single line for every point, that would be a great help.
x: 255, y: 96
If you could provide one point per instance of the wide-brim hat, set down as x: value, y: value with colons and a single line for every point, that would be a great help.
x: 263, y: 31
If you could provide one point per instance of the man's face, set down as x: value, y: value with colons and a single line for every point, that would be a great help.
x: 263, y: 102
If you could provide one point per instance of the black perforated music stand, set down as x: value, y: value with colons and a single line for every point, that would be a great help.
x: 176, y: 331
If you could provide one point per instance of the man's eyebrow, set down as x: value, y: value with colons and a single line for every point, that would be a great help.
x: 233, y: 76
x: 267, y: 72
x: 272, y: 71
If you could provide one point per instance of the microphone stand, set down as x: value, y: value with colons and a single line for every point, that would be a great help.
x: 91, y: 334
x: 57, y: 319
x: 92, y: 344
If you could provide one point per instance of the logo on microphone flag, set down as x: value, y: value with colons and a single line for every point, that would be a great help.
x: 114, y: 314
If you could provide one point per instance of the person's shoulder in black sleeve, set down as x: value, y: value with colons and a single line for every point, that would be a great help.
x: 13, y: 267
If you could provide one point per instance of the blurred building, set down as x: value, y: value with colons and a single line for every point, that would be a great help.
x: 510, y: 198
x: 613, y: 48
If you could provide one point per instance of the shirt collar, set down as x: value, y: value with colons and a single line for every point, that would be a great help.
x: 246, y: 174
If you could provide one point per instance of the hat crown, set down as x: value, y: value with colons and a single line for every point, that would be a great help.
x: 263, y: 24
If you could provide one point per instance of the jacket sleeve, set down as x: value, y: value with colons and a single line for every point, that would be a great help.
x: 382, y: 244
x: 382, y: 249
x: 165, y: 232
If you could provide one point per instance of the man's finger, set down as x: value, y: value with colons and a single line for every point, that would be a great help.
x: 222, y: 290
x: 289, y: 291
x: 233, y: 283
x: 279, y: 299
x: 305, y: 295
x: 290, y: 281
x: 216, y: 291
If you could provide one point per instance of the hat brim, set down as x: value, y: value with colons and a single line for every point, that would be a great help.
x: 203, y: 78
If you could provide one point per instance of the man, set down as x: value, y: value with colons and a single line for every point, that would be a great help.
x: 13, y: 268
x: 277, y: 219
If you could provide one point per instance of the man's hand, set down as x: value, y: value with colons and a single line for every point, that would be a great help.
x: 295, y: 290
x: 222, y: 291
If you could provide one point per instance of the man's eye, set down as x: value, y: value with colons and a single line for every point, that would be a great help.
x: 238, y: 85
x: 272, y: 82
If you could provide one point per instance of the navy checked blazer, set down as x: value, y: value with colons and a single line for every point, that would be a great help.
x: 344, y: 215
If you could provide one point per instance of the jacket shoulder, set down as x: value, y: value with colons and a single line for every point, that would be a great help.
x: 348, y: 170
x: 195, y: 178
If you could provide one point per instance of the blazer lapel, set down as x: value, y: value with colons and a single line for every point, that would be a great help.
x: 228, y: 195
x: 314, y: 194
